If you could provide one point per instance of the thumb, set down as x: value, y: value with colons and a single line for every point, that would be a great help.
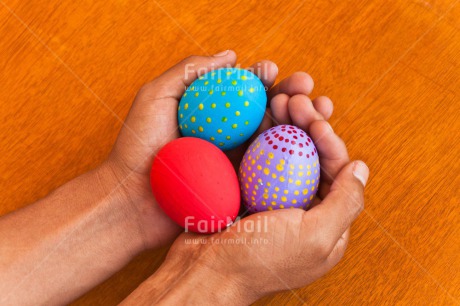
x: 344, y: 202
x: 153, y: 115
x: 172, y: 83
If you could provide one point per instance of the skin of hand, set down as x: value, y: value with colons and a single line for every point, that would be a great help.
x: 294, y: 248
x: 152, y: 122
x: 300, y: 246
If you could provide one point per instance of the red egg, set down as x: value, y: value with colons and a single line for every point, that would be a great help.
x: 195, y: 184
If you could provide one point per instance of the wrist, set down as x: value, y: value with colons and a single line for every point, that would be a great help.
x: 192, y: 275
x: 112, y: 180
x: 155, y: 228
x: 201, y: 281
x: 117, y: 202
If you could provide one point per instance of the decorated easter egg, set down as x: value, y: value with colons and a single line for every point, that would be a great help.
x: 196, y: 185
x: 280, y: 169
x: 224, y: 107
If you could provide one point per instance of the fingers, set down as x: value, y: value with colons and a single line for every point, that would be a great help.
x: 302, y: 111
x: 329, y: 258
x: 324, y: 106
x: 280, y: 110
x: 267, y: 71
x: 153, y: 115
x: 342, y: 205
x: 290, y: 103
x: 299, y: 83
x: 332, y: 152
x: 339, y: 250
x: 173, y: 81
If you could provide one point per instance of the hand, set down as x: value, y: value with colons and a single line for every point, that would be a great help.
x: 292, y: 248
x: 295, y: 246
x: 150, y: 124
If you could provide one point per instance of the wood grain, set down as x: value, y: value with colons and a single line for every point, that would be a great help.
x: 70, y: 69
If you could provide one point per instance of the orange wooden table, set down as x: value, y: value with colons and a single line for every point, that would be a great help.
x: 70, y: 69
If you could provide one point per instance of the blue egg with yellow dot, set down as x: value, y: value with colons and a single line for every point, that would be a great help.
x: 224, y: 107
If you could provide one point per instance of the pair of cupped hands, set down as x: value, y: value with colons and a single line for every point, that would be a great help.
x: 295, y: 246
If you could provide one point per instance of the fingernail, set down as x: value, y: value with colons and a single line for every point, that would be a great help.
x: 223, y: 53
x: 361, y: 171
x: 330, y: 127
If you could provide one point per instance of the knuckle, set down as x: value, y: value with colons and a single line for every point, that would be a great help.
x: 342, y: 142
x: 339, y: 251
x: 356, y: 202
x: 322, y: 248
x: 148, y: 91
x: 319, y: 244
x: 143, y: 91
x: 144, y: 88
x: 190, y: 59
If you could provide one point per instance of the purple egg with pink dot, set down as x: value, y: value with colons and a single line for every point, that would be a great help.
x: 280, y: 169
